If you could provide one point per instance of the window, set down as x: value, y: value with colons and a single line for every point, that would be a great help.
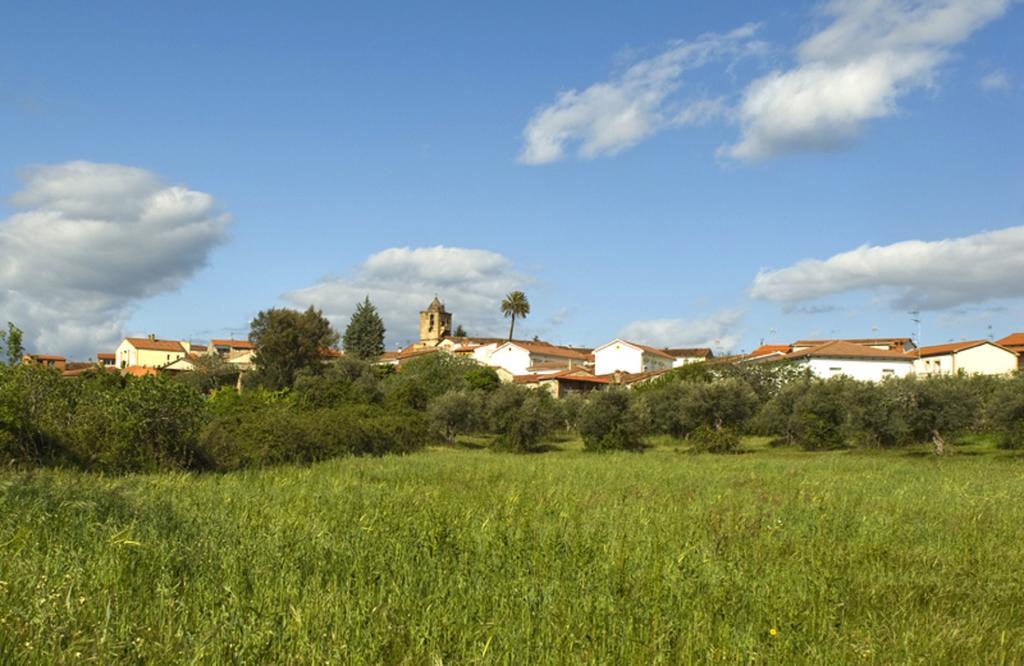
x: 888, y: 372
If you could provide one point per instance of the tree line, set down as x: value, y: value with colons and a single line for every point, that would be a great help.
x: 297, y: 408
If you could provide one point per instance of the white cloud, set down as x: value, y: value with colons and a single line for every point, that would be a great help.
x: 402, y: 281
x: 924, y: 275
x: 89, y: 242
x: 854, y: 70
x: 611, y: 116
x: 997, y: 81
x: 719, y: 331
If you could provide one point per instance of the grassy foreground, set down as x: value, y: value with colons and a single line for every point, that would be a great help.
x: 462, y: 556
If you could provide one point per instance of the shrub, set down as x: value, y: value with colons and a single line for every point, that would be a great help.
x: 1006, y: 413
x: 725, y: 403
x: 939, y: 408
x: 609, y: 422
x: 714, y: 440
x: 347, y: 381
x: 454, y: 413
x: 821, y: 418
x: 521, y: 417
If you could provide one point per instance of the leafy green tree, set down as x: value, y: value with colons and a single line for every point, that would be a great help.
x: 11, y: 340
x: 364, y: 337
x: 610, y: 422
x: 1006, y: 412
x: 288, y: 341
x: 454, y: 413
x: 460, y: 332
x: 515, y: 305
x: 210, y: 372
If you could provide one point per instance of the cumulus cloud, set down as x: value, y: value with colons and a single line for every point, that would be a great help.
x: 997, y: 81
x: 719, y: 331
x: 854, y: 70
x: 922, y: 275
x: 89, y: 242
x: 401, y: 281
x: 613, y: 115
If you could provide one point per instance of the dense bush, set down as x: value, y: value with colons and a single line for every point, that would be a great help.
x: 521, y: 417
x: 610, y: 422
x: 1006, y: 413
x: 455, y: 413
x: 282, y: 434
x: 714, y: 440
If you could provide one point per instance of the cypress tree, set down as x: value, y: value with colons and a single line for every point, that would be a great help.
x: 364, y: 337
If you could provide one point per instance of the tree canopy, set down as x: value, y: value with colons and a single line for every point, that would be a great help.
x: 364, y: 336
x: 288, y: 341
x: 515, y: 305
x: 11, y: 341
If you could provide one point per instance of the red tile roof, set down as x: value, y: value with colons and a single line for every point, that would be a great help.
x: 1012, y: 340
x: 237, y: 344
x: 547, y: 349
x: 46, y: 357
x: 702, y: 352
x: 951, y: 348
x: 868, y: 342
x: 156, y: 345
x: 139, y: 371
x: 846, y: 349
x: 104, y: 356
x: 764, y: 350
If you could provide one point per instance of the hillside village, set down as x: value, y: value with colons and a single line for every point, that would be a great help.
x: 562, y: 369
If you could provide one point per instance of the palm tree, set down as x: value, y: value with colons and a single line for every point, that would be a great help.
x: 515, y: 305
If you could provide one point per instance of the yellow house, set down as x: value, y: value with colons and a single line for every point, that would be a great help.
x: 972, y: 357
x: 149, y: 352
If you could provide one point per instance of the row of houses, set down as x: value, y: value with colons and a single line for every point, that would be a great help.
x: 561, y: 369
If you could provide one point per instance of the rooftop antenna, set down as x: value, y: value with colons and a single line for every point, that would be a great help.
x: 990, y: 331
x: 915, y: 316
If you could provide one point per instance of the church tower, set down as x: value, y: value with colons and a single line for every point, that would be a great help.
x: 435, y: 324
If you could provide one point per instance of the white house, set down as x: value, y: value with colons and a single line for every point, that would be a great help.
x: 974, y: 357
x: 517, y: 357
x: 689, y: 355
x: 842, y: 358
x: 623, y: 356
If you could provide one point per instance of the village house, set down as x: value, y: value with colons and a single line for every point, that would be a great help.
x: 843, y: 358
x: 623, y: 356
x: 106, y: 359
x: 689, y: 355
x: 516, y: 357
x: 1014, y: 342
x: 973, y: 357
x: 49, y: 360
x: 559, y: 383
x: 148, y: 352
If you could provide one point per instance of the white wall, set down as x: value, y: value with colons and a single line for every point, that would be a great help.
x: 617, y: 357
x: 862, y: 369
x: 482, y: 354
x: 124, y: 355
x: 686, y: 360
x: 512, y: 358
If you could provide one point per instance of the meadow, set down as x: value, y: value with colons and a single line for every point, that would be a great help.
x: 463, y: 555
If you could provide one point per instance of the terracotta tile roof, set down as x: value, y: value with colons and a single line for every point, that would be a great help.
x: 951, y: 348
x: 104, y: 356
x: 331, y: 353
x: 702, y: 352
x: 237, y: 344
x: 890, y: 342
x: 46, y: 357
x: 627, y: 378
x: 572, y: 374
x: 846, y: 349
x: 764, y: 350
x: 548, y: 349
x: 156, y: 345
x: 198, y: 347
x: 1012, y: 340
x: 139, y: 371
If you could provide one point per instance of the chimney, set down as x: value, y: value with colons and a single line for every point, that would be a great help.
x: 151, y: 336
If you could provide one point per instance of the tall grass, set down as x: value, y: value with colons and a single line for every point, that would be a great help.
x: 476, y: 557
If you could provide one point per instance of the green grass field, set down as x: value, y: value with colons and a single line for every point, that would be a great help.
x: 469, y: 556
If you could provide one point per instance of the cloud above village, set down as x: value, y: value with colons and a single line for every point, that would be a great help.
x: 867, y: 55
x: 401, y: 281
x: 646, y: 98
x: 88, y: 242
x: 910, y: 275
x: 720, y: 331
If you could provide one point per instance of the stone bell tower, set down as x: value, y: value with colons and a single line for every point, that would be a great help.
x: 435, y: 324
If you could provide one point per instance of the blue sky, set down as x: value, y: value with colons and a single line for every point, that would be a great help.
x: 659, y: 174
